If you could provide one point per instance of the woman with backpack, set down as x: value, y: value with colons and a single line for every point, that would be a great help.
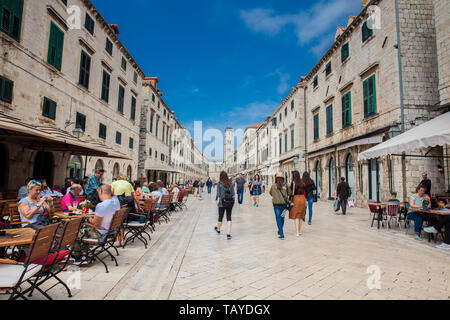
x: 298, y: 210
x: 310, y: 197
x: 280, y: 199
x: 256, y: 190
x: 225, y: 195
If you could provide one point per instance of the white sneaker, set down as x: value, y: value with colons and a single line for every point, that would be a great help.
x: 443, y: 246
x: 430, y: 230
x: 299, y: 234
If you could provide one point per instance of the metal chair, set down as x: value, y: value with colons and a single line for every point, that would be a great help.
x: 376, y: 212
x: 137, y: 229
x: 392, y: 208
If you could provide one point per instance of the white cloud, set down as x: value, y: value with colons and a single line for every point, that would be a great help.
x: 314, y: 26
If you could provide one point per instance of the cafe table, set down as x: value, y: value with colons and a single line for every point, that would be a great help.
x: 23, y: 237
x: 438, y: 212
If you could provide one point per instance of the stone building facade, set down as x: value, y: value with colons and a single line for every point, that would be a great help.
x: 56, y: 78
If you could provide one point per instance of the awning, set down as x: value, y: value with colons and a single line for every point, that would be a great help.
x: 162, y: 168
x: 432, y: 133
x: 50, y: 139
x: 372, y: 140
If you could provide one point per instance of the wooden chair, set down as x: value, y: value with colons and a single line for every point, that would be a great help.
x: 15, y: 221
x: 99, y: 246
x: 164, y: 207
x: 15, y: 274
x: 11, y: 194
x: 57, y: 205
x: 137, y: 229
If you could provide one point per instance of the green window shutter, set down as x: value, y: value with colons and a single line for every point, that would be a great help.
x: 80, y: 122
x: 292, y: 139
x: 11, y: 18
x: 328, y: 68
x: 105, y: 86
x: 109, y: 46
x: 163, y: 132
x: 49, y: 108
x: 370, y: 99
x: 151, y: 122
x: 55, y: 46
x: 345, y: 52
x: 157, y: 125
x: 329, y: 119
x: 316, y: 81
x: 285, y: 142
x: 281, y: 145
x: 124, y: 64
x: 133, y: 108
x: 131, y: 143
x: 89, y: 24
x: 6, y: 90
x: 118, y: 137
x: 346, y: 110
x: 366, y: 98
x: 102, y: 131
x: 121, y: 98
x: 366, y: 32
x: 85, y: 69
x: 316, y: 127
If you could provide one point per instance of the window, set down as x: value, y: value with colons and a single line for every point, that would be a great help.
x: 281, y: 117
x: 274, y: 122
x: 49, y: 108
x: 6, y: 90
x: 316, y: 127
x: 281, y: 145
x: 135, y: 77
x: 292, y: 105
x: 285, y: 112
x: 285, y: 142
x: 370, y: 96
x: 153, y: 98
x: 102, y: 131
x: 346, y: 110
x: 316, y: 81
x: 118, y: 137
x: 131, y: 143
x: 85, y: 69
x: 163, y: 132
x: 11, y: 18
x: 64, y: 1
x: 162, y: 157
x: 121, y: 98
x: 55, y: 46
x: 167, y: 135
x: 109, y: 46
x: 366, y: 31
x: 89, y: 24
x: 164, y: 112
x: 156, y: 154
x: 151, y: 122
x: 105, y: 86
x: 124, y: 64
x: 292, y: 139
x: 159, y: 104
x: 150, y: 152
x: 157, y: 125
x: 133, y: 108
x: 330, y: 119
x: 328, y: 69
x: 80, y: 122
x: 345, y: 52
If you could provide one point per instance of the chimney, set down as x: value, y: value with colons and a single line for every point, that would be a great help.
x: 365, y: 3
x: 115, y: 28
x: 152, y: 80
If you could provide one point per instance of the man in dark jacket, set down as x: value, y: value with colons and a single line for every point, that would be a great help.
x: 343, y: 193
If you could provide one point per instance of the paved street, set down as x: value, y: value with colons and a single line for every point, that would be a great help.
x: 188, y: 260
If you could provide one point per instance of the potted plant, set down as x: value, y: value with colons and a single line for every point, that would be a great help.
x: 85, y: 205
x: 426, y: 203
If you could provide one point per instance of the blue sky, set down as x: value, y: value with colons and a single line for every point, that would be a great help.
x: 226, y: 62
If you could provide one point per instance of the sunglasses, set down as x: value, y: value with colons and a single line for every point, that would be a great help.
x: 36, y: 182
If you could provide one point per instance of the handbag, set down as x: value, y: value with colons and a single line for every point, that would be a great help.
x: 336, y: 205
x: 315, y: 196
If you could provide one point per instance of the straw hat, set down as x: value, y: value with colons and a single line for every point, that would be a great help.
x: 279, y: 175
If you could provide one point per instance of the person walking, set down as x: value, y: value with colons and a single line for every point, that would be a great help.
x: 310, y: 188
x: 209, y: 185
x: 240, y: 188
x: 343, y: 192
x: 280, y: 199
x: 298, y: 210
x: 256, y: 190
x: 225, y: 195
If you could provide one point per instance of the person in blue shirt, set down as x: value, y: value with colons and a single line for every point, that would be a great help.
x: 209, y: 185
x: 416, y: 202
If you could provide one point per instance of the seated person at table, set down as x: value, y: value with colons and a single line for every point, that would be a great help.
x: 156, y: 193
x: 45, y: 190
x: 415, y: 202
x: 23, y: 191
x: 145, y: 188
x: 125, y: 193
x: 444, y: 222
x: 71, y: 199
x: 99, y: 225
x: 35, y: 210
x: 75, y: 181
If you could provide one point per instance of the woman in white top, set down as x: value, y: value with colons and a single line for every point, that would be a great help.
x: 156, y: 194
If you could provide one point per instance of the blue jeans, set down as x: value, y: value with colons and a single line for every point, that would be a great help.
x: 209, y: 189
x: 280, y: 221
x: 310, y: 205
x: 240, y: 194
x: 418, y: 221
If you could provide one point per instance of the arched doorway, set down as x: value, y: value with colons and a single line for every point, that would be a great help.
x: 129, y: 174
x: 75, y: 167
x: 318, y: 172
x: 350, y: 173
x: 43, y: 167
x: 99, y: 165
x: 331, y: 179
x: 4, y: 168
x: 116, y: 171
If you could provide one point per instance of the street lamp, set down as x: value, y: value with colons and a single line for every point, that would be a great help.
x: 78, y: 133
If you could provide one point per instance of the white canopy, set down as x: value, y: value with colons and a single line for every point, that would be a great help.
x: 432, y: 133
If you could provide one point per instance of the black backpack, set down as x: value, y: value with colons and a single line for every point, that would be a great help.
x: 228, y: 199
